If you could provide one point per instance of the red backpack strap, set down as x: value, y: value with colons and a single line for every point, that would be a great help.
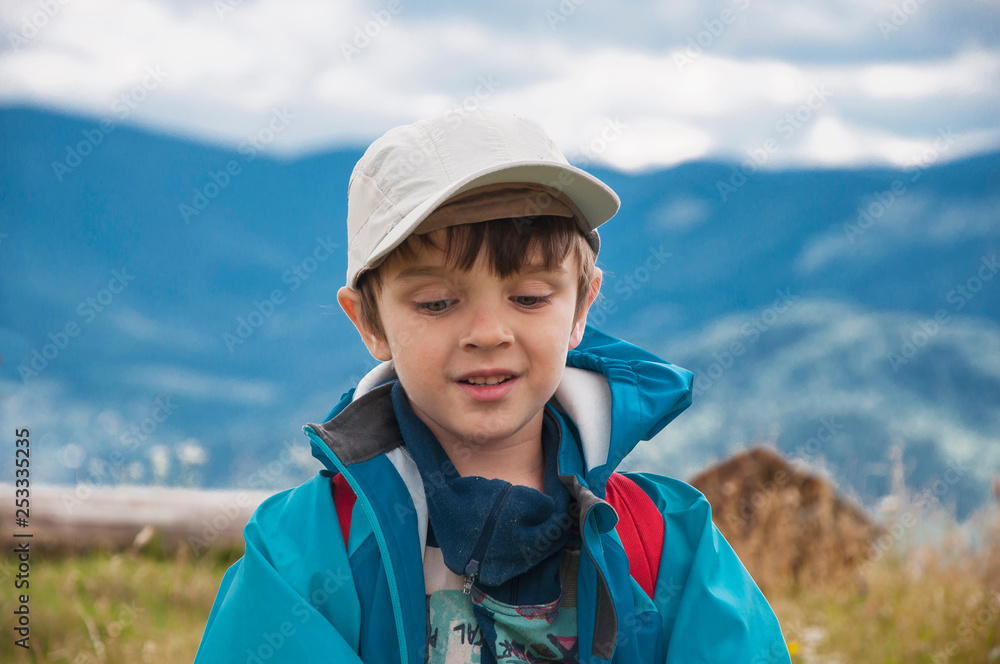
x: 343, y: 502
x: 640, y: 528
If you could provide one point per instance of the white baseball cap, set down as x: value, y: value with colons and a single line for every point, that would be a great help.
x: 412, y: 170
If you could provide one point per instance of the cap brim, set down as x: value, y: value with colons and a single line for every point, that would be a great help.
x: 596, y: 201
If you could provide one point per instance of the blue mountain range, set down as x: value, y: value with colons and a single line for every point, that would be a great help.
x: 168, y: 309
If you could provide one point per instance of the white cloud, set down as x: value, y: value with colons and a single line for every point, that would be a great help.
x: 187, y: 382
x: 70, y: 432
x: 159, y: 459
x: 223, y: 76
x: 679, y: 214
x: 965, y: 75
x: 831, y: 141
x: 81, y: 438
x: 143, y: 328
x: 191, y: 453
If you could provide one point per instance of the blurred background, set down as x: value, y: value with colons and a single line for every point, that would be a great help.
x: 810, y: 224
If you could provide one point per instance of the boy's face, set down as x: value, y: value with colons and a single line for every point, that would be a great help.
x: 478, y: 356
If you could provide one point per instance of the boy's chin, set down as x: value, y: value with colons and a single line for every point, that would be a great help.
x: 483, y: 437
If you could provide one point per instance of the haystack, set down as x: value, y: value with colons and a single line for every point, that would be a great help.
x: 785, y: 523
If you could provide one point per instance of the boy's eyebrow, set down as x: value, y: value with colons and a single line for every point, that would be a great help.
x: 418, y: 271
x: 421, y: 271
x: 535, y: 268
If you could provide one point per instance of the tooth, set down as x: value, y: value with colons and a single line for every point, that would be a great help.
x: 486, y: 380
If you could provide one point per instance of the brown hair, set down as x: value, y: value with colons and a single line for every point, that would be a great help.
x: 508, y: 244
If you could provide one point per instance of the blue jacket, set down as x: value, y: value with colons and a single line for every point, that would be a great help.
x: 301, y: 594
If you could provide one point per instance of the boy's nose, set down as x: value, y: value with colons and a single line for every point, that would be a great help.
x: 487, y: 330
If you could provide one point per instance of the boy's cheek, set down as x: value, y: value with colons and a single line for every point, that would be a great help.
x: 414, y: 330
x: 401, y: 338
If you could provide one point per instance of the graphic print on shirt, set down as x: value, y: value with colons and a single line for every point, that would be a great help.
x: 524, y: 633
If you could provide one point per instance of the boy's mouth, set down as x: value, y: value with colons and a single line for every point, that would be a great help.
x: 485, y: 380
x: 493, y: 384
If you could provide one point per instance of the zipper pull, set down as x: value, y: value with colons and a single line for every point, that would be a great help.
x: 470, y: 576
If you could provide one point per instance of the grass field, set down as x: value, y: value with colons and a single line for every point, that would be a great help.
x: 936, y: 604
x: 114, y: 608
x: 932, y: 606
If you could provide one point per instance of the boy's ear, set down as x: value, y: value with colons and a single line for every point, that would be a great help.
x: 350, y: 302
x: 580, y: 324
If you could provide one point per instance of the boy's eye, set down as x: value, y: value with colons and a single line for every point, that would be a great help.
x: 530, y: 300
x: 434, y: 306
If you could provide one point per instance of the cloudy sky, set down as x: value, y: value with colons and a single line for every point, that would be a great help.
x: 635, y: 84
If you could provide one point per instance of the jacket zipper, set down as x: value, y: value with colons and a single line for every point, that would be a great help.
x: 383, y: 546
x: 472, y: 568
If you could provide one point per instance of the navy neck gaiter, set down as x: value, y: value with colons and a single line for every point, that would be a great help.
x: 509, y: 538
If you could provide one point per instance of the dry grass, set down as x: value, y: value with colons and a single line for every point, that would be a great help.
x: 104, y: 608
x: 935, y: 603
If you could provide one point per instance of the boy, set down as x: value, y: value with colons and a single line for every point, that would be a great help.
x: 470, y: 511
